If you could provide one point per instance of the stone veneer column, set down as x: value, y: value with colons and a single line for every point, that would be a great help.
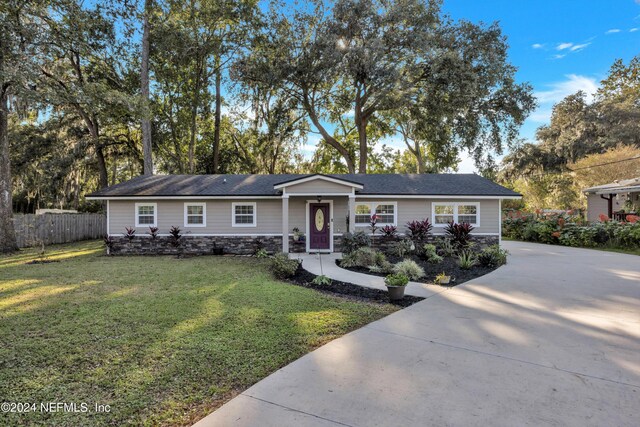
x: 285, y: 223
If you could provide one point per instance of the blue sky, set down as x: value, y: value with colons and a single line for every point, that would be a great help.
x: 559, y: 46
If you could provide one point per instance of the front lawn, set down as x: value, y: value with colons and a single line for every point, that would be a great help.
x: 163, y: 341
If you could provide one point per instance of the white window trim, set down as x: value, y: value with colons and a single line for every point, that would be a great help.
x: 155, y: 214
x: 372, y: 206
x: 455, y: 212
x: 204, y: 215
x: 255, y: 214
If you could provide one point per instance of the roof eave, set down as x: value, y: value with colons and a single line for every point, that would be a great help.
x: 303, y: 179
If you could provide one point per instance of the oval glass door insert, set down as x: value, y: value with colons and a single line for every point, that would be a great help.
x: 319, y: 220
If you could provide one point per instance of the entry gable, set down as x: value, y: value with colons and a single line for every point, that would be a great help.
x: 318, y: 184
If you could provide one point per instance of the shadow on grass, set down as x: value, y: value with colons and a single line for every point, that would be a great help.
x: 163, y: 341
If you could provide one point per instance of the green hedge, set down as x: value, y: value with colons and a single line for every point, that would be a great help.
x: 570, y: 230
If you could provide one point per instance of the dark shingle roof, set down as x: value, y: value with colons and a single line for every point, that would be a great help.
x: 262, y: 185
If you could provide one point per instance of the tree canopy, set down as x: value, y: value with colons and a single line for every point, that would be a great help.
x: 91, y: 90
x: 581, y: 136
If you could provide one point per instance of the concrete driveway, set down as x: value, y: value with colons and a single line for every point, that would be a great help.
x: 552, y: 338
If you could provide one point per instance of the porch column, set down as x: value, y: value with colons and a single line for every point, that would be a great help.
x: 352, y: 213
x: 285, y: 223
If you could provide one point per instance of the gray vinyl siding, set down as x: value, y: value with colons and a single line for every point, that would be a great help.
x: 418, y: 209
x: 319, y: 187
x: 218, y: 218
x: 269, y: 215
x: 298, y: 214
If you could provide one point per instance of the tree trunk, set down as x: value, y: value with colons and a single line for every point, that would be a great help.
x: 362, y: 139
x: 327, y: 137
x: 419, y: 157
x: 217, y: 120
x: 92, y: 124
x: 7, y: 232
x: 144, y: 88
x: 194, y: 119
x: 361, y: 125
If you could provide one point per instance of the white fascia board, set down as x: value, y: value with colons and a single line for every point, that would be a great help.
x: 413, y: 196
x: 315, y: 177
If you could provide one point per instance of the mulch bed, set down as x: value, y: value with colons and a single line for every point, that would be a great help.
x: 349, y: 290
x: 448, y: 265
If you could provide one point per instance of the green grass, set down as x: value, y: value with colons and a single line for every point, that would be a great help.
x: 164, y: 341
x: 628, y: 251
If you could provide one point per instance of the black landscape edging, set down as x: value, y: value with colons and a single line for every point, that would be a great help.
x: 349, y: 290
x: 448, y: 265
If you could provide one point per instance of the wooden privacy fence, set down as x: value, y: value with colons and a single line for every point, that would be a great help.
x: 32, y: 230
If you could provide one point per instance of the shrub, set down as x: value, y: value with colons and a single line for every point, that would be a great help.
x: 130, y: 233
x: 362, y: 257
x: 409, y: 268
x: 402, y: 248
x: 466, y: 260
x: 396, y: 280
x: 108, y: 242
x: 492, y: 257
x: 153, y: 232
x: 321, y: 280
x: 570, y: 229
x: 176, y: 234
x: 282, y: 266
x: 353, y: 241
x: 385, y: 267
x: 446, y: 246
x: 460, y: 234
x: 389, y: 230
x: 262, y: 253
x: 257, y: 245
x: 419, y: 230
x: 430, y: 254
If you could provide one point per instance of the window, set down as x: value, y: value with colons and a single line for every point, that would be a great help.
x: 146, y: 214
x: 386, y: 213
x: 243, y: 214
x: 443, y: 213
x: 363, y: 214
x: 195, y: 214
x: 468, y: 213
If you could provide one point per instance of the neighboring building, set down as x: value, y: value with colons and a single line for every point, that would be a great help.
x: 234, y: 210
x: 615, y: 200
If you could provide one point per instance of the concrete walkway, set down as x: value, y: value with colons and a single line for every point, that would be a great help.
x: 326, y: 264
x: 552, y: 338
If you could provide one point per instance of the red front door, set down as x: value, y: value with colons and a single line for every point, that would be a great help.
x: 320, y: 234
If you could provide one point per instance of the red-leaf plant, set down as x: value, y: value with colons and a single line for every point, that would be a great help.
x: 419, y: 230
x: 130, y: 233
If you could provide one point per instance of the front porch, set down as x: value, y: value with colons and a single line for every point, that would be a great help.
x: 321, y: 209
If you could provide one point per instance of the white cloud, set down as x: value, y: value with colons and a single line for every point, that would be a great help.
x: 633, y: 30
x: 537, y: 46
x: 613, y: 31
x: 572, y: 84
x: 558, y: 56
x: 579, y: 47
x: 558, y: 91
x: 563, y: 46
